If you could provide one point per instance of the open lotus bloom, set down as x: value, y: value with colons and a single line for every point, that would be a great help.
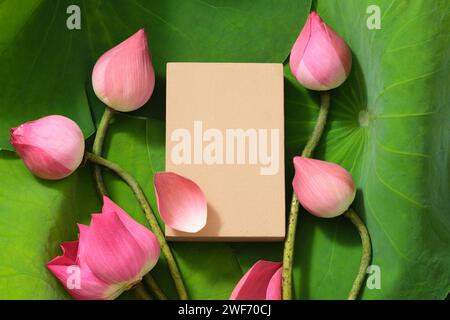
x: 261, y: 282
x: 110, y: 256
x: 320, y: 59
x: 181, y: 202
x: 51, y: 147
x: 323, y: 188
x: 123, y: 78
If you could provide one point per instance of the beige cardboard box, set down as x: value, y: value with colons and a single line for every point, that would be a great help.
x: 225, y: 131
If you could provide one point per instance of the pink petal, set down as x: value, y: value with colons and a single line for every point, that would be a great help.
x: 255, y: 283
x: 66, y: 270
x: 144, y: 237
x: 69, y: 257
x: 111, y: 251
x: 82, y: 244
x: 123, y: 78
x: 299, y: 47
x: 181, y: 202
x: 89, y: 286
x: 274, y: 287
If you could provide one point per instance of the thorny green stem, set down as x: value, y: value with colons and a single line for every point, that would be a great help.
x: 366, y: 253
x: 137, y: 190
x: 288, y: 253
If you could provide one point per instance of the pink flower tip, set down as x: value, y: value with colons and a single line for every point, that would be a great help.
x: 181, y: 202
x: 123, y: 78
x: 261, y: 282
x: 323, y: 188
x: 110, y: 256
x: 51, y: 147
x: 320, y: 59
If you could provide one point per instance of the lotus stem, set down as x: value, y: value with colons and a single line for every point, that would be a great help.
x: 366, y: 253
x: 97, y: 149
x: 140, y: 292
x: 288, y: 253
x: 154, y: 288
x: 313, y: 141
x: 154, y: 225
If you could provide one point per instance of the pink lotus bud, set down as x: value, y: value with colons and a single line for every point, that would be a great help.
x: 325, y: 189
x: 52, y: 147
x: 261, y: 282
x: 320, y: 58
x: 181, y: 202
x: 110, y: 256
x: 123, y: 77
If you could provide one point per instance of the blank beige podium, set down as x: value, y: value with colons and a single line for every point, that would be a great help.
x: 234, y: 100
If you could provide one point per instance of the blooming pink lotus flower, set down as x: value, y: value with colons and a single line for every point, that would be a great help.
x: 110, y: 256
x: 261, y: 282
x: 323, y: 188
x: 51, y: 147
x: 181, y: 202
x: 123, y: 78
x: 320, y: 58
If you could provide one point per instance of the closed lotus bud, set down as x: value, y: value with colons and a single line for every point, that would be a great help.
x: 123, y: 78
x: 261, y: 282
x: 320, y: 59
x: 323, y: 188
x: 111, y: 256
x: 51, y: 147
